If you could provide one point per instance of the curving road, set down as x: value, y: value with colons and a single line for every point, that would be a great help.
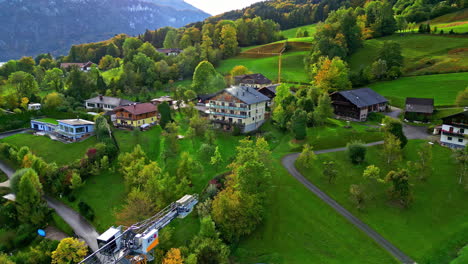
x: 288, y: 162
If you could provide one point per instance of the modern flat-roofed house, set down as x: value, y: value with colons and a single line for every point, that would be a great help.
x: 82, y: 66
x: 242, y: 107
x: 106, y: 103
x: 454, y: 132
x: 256, y: 80
x: 44, y: 124
x: 170, y: 52
x: 357, y: 104
x: 136, y: 115
x: 74, y: 129
x: 419, y: 109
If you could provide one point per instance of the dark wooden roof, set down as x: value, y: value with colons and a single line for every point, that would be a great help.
x: 419, y: 105
x: 363, y: 97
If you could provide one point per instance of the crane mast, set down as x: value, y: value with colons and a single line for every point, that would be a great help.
x: 135, y: 243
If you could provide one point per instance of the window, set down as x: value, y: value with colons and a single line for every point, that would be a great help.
x: 449, y: 138
x: 460, y: 140
x: 80, y: 130
x: 462, y: 131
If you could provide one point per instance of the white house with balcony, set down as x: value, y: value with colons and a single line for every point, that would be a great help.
x: 454, y: 133
x: 242, y: 107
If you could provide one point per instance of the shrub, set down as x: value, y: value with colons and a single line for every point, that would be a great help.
x: 86, y: 210
x: 356, y: 151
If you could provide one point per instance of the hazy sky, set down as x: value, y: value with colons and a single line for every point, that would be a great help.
x: 216, y: 7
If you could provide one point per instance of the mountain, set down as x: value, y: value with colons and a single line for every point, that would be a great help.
x: 31, y: 27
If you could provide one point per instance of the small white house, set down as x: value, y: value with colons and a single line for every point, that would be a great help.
x: 454, y: 132
x: 34, y: 107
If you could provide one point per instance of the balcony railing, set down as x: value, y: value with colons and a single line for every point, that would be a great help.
x: 228, y: 107
x: 453, y: 133
x: 228, y: 114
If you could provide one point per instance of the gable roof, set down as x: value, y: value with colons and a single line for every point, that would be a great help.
x: 419, y: 105
x: 247, y: 95
x: 169, y: 50
x: 256, y: 78
x: 79, y: 64
x: 109, y: 100
x: 461, y: 114
x: 138, y: 109
x: 271, y: 88
x: 363, y: 97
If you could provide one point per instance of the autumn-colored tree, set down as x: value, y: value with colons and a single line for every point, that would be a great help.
x: 400, y: 189
x: 69, y: 250
x: 238, y: 70
x: 331, y: 75
x: 54, y: 100
x: 173, y: 256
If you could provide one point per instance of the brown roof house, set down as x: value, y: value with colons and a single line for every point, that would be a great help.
x: 256, y: 80
x: 357, y: 104
x: 136, y: 115
x: 419, y: 109
x: 83, y: 66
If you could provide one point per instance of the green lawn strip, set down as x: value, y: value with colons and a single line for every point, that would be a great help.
x: 437, y: 213
x: 442, y: 87
x: 424, y: 54
x: 52, y: 121
x: 292, y: 66
x: 50, y: 150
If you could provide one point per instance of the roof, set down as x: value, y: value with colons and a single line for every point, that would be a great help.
x: 419, y: 105
x: 169, y: 50
x: 79, y: 64
x: 76, y: 122
x: 165, y: 98
x: 465, y: 114
x: 256, y: 78
x: 46, y: 120
x: 138, y: 109
x: 109, y: 100
x: 271, y: 88
x: 247, y: 95
x: 363, y: 97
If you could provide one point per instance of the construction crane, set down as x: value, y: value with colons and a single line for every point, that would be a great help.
x: 134, y: 244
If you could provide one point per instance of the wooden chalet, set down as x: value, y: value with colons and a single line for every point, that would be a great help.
x: 357, y: 104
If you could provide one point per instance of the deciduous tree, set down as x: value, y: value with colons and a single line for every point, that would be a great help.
x: 356, y: 151
x: 400, y: 189
x: 391, y: 149
x: 139, y: 206
x: 29, y: 204
x: 331, y: 74
x: 307, y: 156
x: 173, y: 256
x: 329, y: 170
x: 69, y: 250
x: 324, y: 110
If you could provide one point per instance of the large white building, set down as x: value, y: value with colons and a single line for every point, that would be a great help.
x: 242, y: 107
x: 454, y: 132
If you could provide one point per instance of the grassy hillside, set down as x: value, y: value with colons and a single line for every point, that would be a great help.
x: 442, y: 87
x: 438, y: 213
x: 290, y: 34
x: 458, y: 21
x: 424, y: 54
x: 292, y: 66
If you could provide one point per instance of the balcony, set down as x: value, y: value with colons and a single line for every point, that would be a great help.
x: 226, y: 122
x: 228, y: 107
x: 228, y: 114
x: 453, y: 133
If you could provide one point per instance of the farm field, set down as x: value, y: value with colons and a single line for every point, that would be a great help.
x: 292, y: 66
x: 424, y: 54
x: 442, y: 87
x: 438, y: 202
x: 50, y: 150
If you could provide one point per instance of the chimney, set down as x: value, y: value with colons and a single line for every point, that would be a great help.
x: 100, y: 97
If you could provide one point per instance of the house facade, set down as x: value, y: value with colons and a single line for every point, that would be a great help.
x: 82, y: 66
x: 357, y: 104
x: 44, y: 125
x: 170, y: 52
x: 74, y: 129
x: 34, y: 107
x: 106, y: 103
x: 256, y: 80
x: 454, y: 133
x: 242, y: 107
x: 136, y: 115
x: 419, y: 109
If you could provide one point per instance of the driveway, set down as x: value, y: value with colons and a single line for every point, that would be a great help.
x: 79, y: 224
x: 411, y: 132
x: 289, y: 163
x: 14, y: 132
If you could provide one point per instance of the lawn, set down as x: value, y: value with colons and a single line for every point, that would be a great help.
x: 424, y: 54
x: 292, y: 66
x: 300, y: 228
x: 458, y: 21
x: 442, y: 87
x: 438, y: 214
x: 50, y: 150
x: 291, y: 33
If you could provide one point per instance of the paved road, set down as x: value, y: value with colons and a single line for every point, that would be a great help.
x: 80, y: 226
x: 289, y: 161
x: 14, y: 132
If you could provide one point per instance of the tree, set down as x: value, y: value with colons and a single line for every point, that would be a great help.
x: 356, y: 152
x: 216, y: 159
x: 329, y: 170
x: 165, y: 112
x: 400, y: 189
x: 53, y: 80
x: 331, y: 75
x: 138, y: 207
x: 29, y: 204
x: 371, y: 172
x: 69, y: 250
x: 24, y: 83
x: 130, y: 47
x: 4, y: 259
x: 391, y: 53
x: 229, y: 44
x: 173, y: 256
x: 54, y: 100
x: 187, y: 167
x: 76, y: 181
x: 299, y: 124
x: 395, y: 127
x: 207, y: 246
x: 206, y: 79
x: 462, y: 98
x: 237, y: 71
x: 150, y: 51
x: 461, y: 156
x: 324, y: 109
x: 379, y: 69
x: 307, y: 156
x: 170, y: 42
x: 357, y: 195
x: 391, y: 149
x: 423, y: 166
